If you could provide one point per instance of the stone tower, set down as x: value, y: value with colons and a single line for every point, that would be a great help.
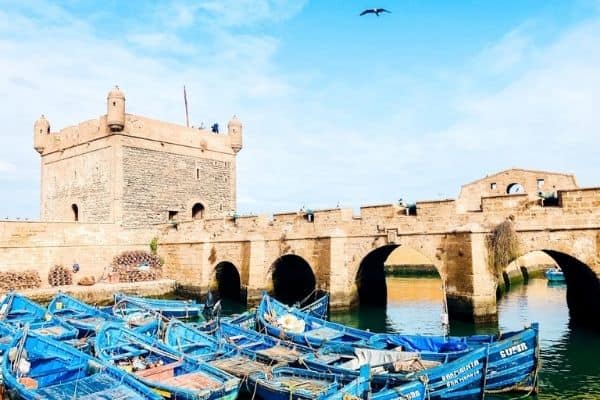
x: 115, y: 114
x: 135, y: 171
x: 41, y: 132
x: 234, y: 129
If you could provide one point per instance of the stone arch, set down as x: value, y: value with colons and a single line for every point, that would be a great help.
x: 198, y: 211
x: 292, y: 278
x: 226, y: 281
x: 528, y: 264
x: 370, y: 278
x: 583, y: 284
x: 583, y: 288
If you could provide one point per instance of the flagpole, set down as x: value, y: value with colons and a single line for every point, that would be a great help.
x: 187, y: 117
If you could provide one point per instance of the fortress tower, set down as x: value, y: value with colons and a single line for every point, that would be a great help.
x: 135, y: 171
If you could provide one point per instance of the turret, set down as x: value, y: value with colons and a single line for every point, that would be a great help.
x: 115, y: 115
x: 41, y: 129
x: 234, y: 129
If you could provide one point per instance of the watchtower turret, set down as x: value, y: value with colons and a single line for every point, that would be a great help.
x: 115, y: 116
x: 234, y: 129
x: 41, y: 128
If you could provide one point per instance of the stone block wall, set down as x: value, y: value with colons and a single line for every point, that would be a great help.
x: 440, y: 208
x: 504, y: 202
x: 41, y: 245
x: 83, y: 176
x: 532, y: 182
x: 580, y: 198
x: 157, y: 182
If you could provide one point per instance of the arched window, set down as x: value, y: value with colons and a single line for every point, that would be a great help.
x: 197, y: 211
x: 515, y: 188
x: 75, y: 212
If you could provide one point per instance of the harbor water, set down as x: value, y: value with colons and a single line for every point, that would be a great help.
x: 570, y: 355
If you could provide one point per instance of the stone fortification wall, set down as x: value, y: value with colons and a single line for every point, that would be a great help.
x: 40, y: 245
x: 156, y: 182
x: 82, y: 176
x: 498, y: 184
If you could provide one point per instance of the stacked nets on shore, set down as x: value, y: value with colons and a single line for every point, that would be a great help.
x: 59, y: 275
x: 19, y: 280
x: 137, y: 266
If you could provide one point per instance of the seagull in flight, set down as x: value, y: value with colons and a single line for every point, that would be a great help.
x: 375, y: 11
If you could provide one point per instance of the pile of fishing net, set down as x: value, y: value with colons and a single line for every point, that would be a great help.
x: 137, y: 266
x: 60, y: 276
x: 19, y: 280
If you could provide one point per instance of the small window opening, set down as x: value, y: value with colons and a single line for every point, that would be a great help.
x: 197, y: 173
x: 114, y: 103
x: 540, y: 183
x: 493, y: 186
x: 515, y: 188
x: 172, y: 215
x: 75, y: 212
x: 197, y: 211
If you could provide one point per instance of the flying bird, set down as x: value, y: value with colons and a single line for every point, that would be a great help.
x: 375, y: 11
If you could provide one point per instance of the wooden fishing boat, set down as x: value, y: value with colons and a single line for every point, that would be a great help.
x: 266, y: 348
x: 514, y: 356
x: 190, y: 341
x: 463, y: 378
x: 37, y: 367
x: 286, y: 383
x: 224, y: 356
x: 289, y: 323
x: 162, y: 367
x: 168, y: 308
x: 393, y: 367
x: 87, y: 319
x: 17, y: 310
x: 554, y: 275
x: 6, y: 337
x: 318, y: 308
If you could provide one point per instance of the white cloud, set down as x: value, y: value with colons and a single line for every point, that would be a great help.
x: 6, y: 167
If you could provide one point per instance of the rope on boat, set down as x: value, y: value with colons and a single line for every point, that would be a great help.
x: 304, y: 300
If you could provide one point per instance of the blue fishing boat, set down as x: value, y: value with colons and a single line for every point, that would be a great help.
x: 263, y: 347
x: 318, y: 308
x: 190, y: 341
x: 87, y: 319
x: 286, y: 383
x: 6, y: 337
x: 463, y: 378
x: 17, y: 310
x: 554, y: 275
x: 514, y: 356
x: 168, y: 371
x: 36, y: 367
x: 169, y: 308
x: 236, y: 361
x: 393, y: 367
x: 289, y: 323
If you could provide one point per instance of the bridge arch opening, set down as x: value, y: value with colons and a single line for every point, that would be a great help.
x: 375, y: 277
x: 582, y: 283
x: 228, y: 282
x: 293, y: 279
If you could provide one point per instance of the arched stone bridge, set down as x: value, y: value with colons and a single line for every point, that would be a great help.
x: 339, y: 247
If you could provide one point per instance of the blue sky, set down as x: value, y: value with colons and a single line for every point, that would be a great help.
x: 336, y: 107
